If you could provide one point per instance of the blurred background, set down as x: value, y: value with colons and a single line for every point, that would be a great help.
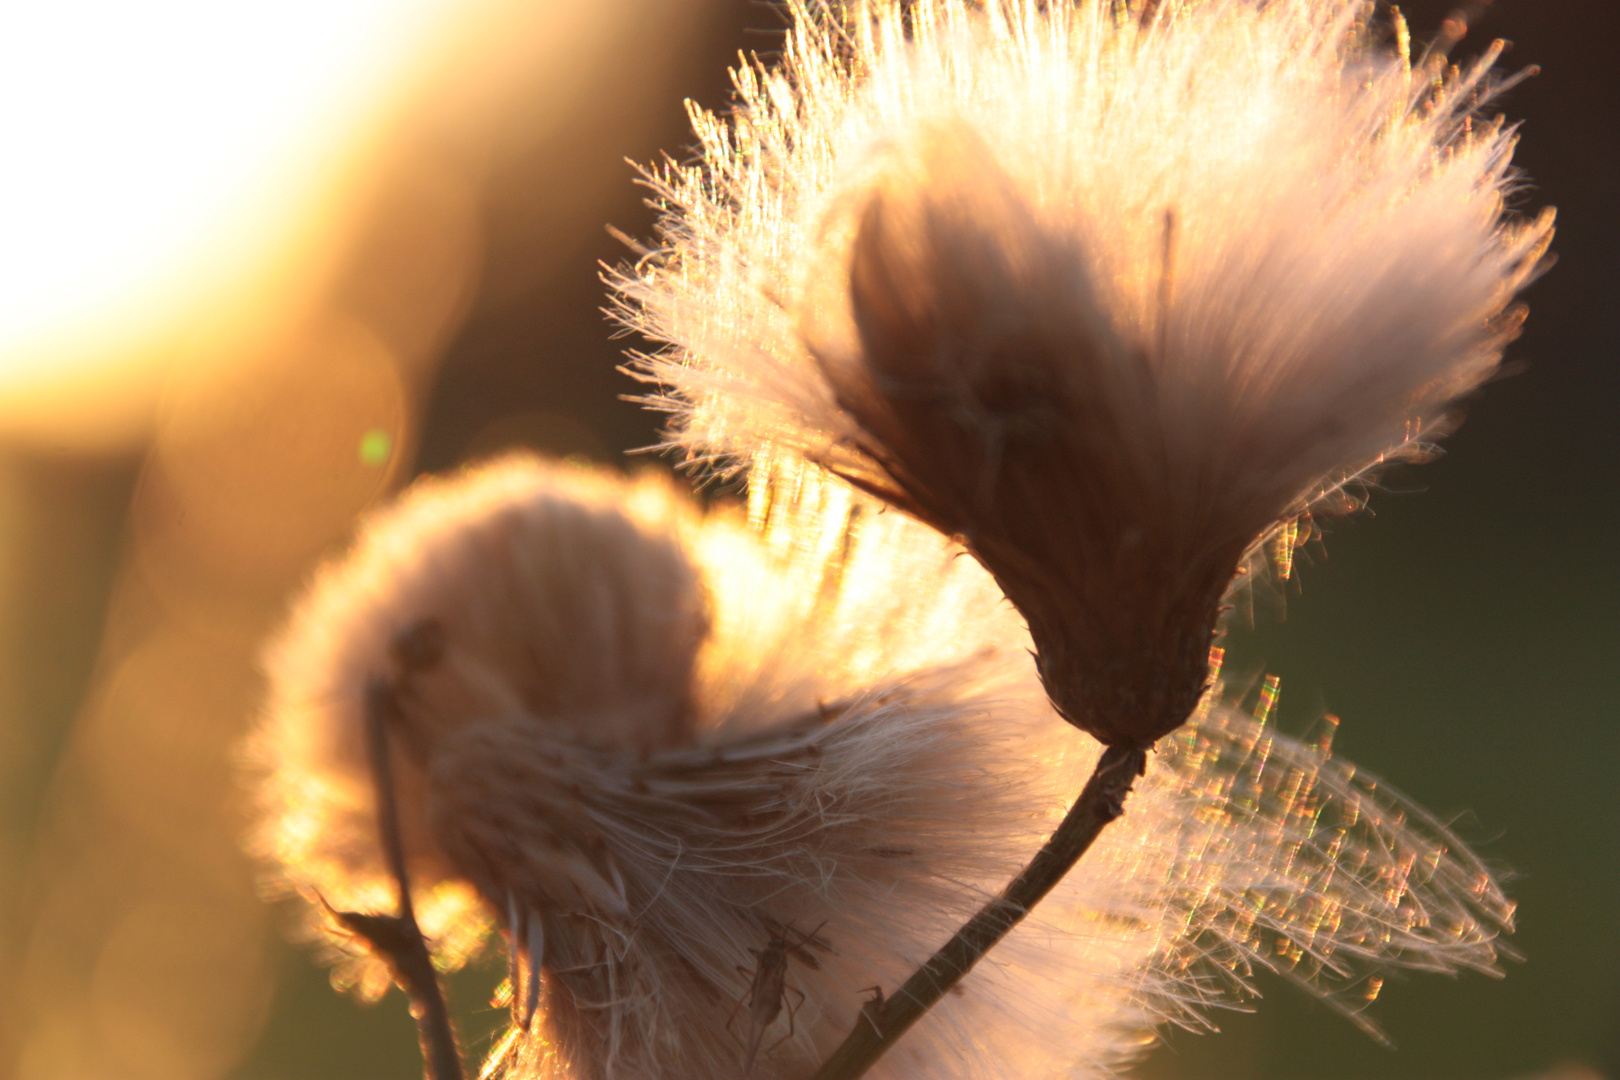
x: 262, y: 264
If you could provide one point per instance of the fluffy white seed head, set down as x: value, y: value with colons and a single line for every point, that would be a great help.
x: 850, y: 753
x: 1106, y: 290
x: 517, y: 590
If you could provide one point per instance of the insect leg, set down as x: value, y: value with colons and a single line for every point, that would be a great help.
x: 793, y: 1011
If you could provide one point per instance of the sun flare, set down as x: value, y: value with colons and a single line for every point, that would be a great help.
x: 162, y: 160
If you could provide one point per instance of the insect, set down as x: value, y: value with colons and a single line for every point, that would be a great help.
x: 768, y: 990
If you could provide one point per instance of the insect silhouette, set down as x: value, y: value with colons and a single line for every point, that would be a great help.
x: 768, y: 990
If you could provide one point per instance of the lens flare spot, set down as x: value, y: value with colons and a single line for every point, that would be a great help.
x: 376, y: 447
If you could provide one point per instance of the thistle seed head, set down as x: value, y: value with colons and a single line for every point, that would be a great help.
x: 553, y: 595
x: 1108, y: 291
x: 855, y: 756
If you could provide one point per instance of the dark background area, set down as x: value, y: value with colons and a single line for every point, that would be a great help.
x: 1466, y: 628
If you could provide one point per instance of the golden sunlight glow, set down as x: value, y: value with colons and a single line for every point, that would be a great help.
x: 160, y: 157
x: 237, y: 238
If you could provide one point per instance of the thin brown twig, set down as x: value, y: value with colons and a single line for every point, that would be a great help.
x: 884, y: 1020
x: 398, y: 938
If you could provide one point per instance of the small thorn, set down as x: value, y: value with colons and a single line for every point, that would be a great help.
x: 537, y: 956
x: 514, y: 954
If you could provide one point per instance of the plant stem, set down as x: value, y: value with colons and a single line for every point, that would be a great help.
x: 398, y: 938
x: 882, y: 1021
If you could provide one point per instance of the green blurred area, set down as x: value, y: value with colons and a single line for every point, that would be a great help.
x: 1466, y: 629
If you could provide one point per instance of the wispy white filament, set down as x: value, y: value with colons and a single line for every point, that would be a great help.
x: 861, y: 753
x: 1336, y: 268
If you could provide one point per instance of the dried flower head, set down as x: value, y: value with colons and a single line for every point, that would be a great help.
x: 716, y: 777
x: 1106, y: 289
x: 519, y: 590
